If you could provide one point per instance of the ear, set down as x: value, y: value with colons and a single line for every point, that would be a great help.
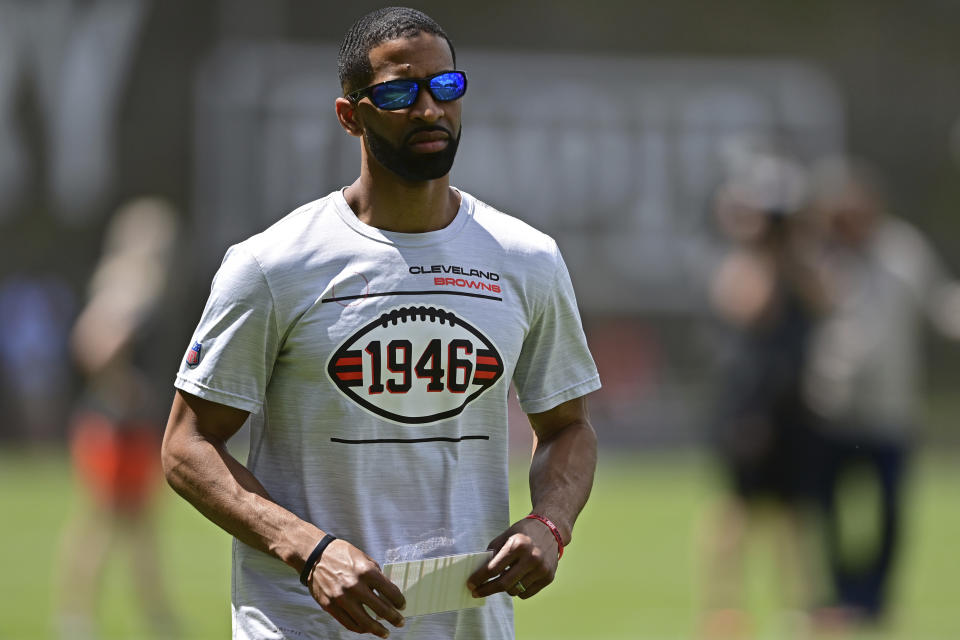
x: 348, y: 116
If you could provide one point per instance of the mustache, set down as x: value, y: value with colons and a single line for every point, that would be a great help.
x: 425, y: 129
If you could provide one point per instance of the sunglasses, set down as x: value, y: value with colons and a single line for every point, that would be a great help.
x: 402, y: 92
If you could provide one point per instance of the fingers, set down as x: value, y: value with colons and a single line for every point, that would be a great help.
x: 523, y: 580
x: 517, y: 588
x: 518, y: 569
x: 482, y: 574
x: 383, y: 608
x: 357, y: 608
x: 493, y: 567
x: 349, y: 585
x: 343, y: 617
x: 387, y: 590
x: 365, y: 622
x: 532, y: 586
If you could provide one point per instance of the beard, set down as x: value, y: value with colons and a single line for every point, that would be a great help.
x: 413, y: 167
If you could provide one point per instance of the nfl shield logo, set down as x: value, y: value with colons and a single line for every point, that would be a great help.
x: 193, y: 355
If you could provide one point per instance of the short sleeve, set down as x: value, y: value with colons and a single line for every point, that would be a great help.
x: 232, y: 351
x: 555, y: 364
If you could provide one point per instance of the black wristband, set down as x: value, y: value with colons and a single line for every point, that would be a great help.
x: 314, y: 557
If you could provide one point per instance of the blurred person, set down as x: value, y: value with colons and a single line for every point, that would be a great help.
x: 35, y: 315
x: 115, y: 430
x: 864, y: 375
x: 766, y: 295
x: 370, y: 337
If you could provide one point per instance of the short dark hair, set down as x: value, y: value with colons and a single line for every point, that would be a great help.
x: 372, y: 30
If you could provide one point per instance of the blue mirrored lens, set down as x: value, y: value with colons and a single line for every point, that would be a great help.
x: 395, y: 94
x: 448, y: 86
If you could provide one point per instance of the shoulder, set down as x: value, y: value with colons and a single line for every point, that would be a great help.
x: 511, y: 233
x: 898, y: 234
x: 279, y: 252
x: 898, y: 240
x: 293, y: 237
x: 904, y: 251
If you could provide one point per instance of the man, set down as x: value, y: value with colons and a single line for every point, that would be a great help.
x: 765, y: 296
x: 370, y: 337
x: 865, y: 374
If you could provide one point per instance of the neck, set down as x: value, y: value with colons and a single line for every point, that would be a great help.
x: 383, y: 200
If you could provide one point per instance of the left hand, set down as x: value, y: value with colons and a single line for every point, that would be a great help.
x: 524, y: 562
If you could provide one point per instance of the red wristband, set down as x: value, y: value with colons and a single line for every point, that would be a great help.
x: 553, y: 530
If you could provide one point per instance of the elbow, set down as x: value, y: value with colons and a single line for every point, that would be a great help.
x: 580, y: 431
x: 168, y: 462
x: 589, y: 434
x: 587, y: 438
x: 172, y: 460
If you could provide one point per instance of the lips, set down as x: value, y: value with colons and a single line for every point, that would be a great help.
x: 427, y: 141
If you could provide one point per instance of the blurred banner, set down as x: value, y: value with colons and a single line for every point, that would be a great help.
x: 75, y: 59
x: 617, y: 158
x: 614, y: 157
x: 225, y: 109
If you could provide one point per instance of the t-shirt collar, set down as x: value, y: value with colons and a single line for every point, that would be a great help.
x: 405, y: 239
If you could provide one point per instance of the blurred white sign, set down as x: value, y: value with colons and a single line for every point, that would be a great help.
x: 76, y: 58
x: 616, y: 157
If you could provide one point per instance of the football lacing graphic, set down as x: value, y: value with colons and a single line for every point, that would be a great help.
x: 412, y: 374
x: 404, y: 313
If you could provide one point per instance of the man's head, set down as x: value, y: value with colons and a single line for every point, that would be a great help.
x: 763, y: 197
x: 372, y: 30
x: 416, y: 142
x: 849, y: 198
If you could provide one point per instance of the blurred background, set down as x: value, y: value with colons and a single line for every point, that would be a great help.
x: 139, y: 139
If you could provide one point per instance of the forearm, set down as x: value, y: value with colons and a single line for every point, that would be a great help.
x: 203, y: 472
x: 561, y: 474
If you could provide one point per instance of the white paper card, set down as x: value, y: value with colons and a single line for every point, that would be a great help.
x: 439, y: 584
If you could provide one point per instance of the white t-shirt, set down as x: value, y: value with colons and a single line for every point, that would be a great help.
x: 375, y: 366
x: 865, y: 367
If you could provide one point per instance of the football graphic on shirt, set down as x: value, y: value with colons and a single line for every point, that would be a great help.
x: 415, y: 365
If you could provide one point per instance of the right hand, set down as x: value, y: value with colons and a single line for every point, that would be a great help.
x: 346, y: 580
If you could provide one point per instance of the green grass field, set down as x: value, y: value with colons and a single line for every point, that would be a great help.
x: 631, y: 573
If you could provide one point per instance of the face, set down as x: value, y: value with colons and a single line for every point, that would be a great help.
x: 852, y: 215
x: 738, y: 222
x: 420, y: 142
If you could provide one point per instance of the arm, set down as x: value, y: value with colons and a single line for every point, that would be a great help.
x: 199, y: 467
x: 561, y: 476
x: 563, y: 464
x: 944, y: 310
x: 741, y: 289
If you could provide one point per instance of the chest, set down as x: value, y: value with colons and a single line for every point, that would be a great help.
x: 411, y: 341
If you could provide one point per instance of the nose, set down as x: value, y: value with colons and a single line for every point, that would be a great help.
x: 426, y: 107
